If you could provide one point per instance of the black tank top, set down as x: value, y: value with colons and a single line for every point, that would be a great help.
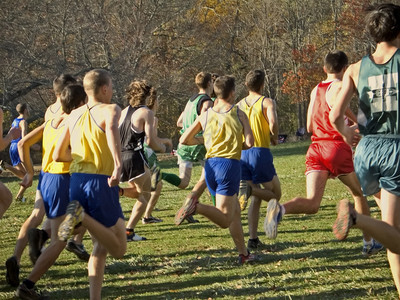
x: 130, y: 140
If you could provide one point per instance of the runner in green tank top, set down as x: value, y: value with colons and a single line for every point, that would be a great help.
x: 377, y: 157
x: 187, y: 154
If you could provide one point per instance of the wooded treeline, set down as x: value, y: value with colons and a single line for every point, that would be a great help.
x: 168, y: 41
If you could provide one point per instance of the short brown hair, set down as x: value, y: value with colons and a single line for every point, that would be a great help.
x: 21, y: 107
x: 335, y: 61
x: 71, y: 97
x: 202, y: 80
x: 255, y: 80
x: 95, y: 79
x: 383, y: 22
x: 61, y: 81
x: 223, y: 86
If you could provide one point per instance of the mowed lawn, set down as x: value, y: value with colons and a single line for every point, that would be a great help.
x: 198, y: 261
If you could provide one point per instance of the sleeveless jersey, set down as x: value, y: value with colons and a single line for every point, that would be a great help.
x: 130, y: 140
x: 15, y: 124
x: 223, y: 134
x: 50, y: 137
x: 321, y: 126
x: 258, y: 123
x: 378, y: 90
x: 89, y: 147
x: 191, y: 110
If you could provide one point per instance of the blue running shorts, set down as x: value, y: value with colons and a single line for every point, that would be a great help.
x: 99, y: 201
x: 257, y: 165
x: 14, y: 155
x: 55, y: 193
x: 222, y: 176
x: 40, y: 180
x: 377, y: 164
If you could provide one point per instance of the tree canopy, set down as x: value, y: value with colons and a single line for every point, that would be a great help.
x: 167, y: 42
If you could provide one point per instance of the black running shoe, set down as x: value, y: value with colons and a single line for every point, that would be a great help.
x: 36, y: 240
x: 254, y: 243
x: 78, y: 249
x: 24, y: 293
x: 12, y: 275
x: 190, y: 219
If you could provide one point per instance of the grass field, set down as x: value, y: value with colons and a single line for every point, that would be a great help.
x: 198, y: 261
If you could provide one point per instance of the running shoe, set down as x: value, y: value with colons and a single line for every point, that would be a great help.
x: 133, y: 237
x: 74, y: 217
x: 244, y: 194
x: 272, y: 218
x: 345, y: 220
x: 2, y: 165
x: 36, y: 241
x: 254, y: 243
x: 192, y: 220
x: 151, y: 220
x: 246, y: 259
x: 187, y: 209
x: 78, y: 249
x: 24, y: 293
x: 372, y: 249
x: 12, y: 274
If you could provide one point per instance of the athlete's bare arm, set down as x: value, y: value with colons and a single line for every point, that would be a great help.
x: 23, y: 149
x: 248, y: 134
x: 24, y: 128
x: 336, y: 116
x: 206, y: 105
x: 112, y: 114
x: 332, y: 95
x: 310, y: 110
x: 179, y: 123
x: 189, y: 136
x: 151, y: 133
x: 12, y: 134
x: 272, y: 118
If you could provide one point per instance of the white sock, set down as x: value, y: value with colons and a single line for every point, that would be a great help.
x: 283, y: 210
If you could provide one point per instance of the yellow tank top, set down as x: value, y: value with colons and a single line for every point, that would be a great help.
x: 50, y: 137
x: 223, y: 134
x: 89, y: 147
x: 258, y: 123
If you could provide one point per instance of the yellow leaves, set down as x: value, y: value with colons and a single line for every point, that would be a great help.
x: 211, y: 12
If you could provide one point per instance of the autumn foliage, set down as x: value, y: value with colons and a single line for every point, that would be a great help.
x: 307, y: 72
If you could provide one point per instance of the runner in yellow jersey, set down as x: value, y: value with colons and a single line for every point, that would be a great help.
x: 92, y: 133
x: 223, y: 129
x: 38, y: 237
x: 54, y: 185
x: 258, y: 171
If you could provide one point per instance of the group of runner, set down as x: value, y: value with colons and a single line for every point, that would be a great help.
x: 90, y: 146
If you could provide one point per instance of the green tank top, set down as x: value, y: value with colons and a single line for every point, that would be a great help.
x: 190, y: 113
x: 378, y: 90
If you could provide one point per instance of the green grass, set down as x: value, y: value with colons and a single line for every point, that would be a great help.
x: 198, y: 261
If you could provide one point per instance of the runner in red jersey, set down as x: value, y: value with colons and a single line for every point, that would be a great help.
x: 327, y: 157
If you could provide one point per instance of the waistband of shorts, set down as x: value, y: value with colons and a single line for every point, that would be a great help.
x: 382, y: 136
x: 89, y: 176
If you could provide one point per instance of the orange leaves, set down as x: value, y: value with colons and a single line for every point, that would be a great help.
x: 307, y: 71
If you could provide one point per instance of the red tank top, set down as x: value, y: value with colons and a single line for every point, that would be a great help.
x: 321, y: 126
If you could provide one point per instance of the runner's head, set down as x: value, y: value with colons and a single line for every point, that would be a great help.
x: 72, y: 97
x: 98, y: 84
x: 60, y: 82
x: 224, y: 87
x: 383, y: 22
x: 139, y: 92
x: 255, y: 80
x: 335, y: 62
